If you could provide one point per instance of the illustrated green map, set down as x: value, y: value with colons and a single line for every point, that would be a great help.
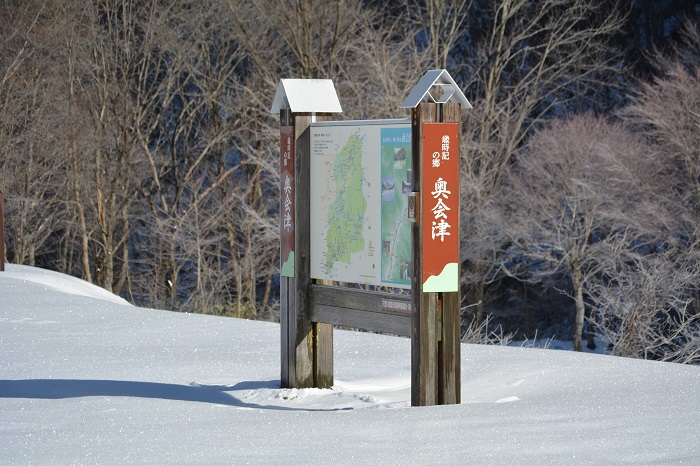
x: 347, y: 213
x: 360, y: 178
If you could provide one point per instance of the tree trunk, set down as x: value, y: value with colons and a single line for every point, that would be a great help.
x: 580, y: 309
x: 84, y: 238
x: 591, y: 335
x: 124, y: 266
x: 474, y: 314
x: 77, y: 171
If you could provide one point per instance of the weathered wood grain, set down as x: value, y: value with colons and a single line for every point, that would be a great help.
x: 323, y: 332
x: 450, y: 351
x: 300, y: 323
x: 366, y: 310
x: 323, y: 355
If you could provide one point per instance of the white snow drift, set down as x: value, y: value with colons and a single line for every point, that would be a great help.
x: 87, y: 379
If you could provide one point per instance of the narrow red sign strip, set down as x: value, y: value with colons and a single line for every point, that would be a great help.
x: 287, y: 201
x: 440, y: 212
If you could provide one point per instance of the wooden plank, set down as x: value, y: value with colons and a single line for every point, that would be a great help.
x: 429, y: 349
x: 300, y: 324
x: 450, y: 113
x: 284, y: 331
x: 417, y: 265
x: 449, y: 360
x: 435, y: 342
x: 366, y: 310
x: 372, y: 321
x: 372, y: 301
x: 308, y: 349
x: 323, y: 345
x: 450, y: 352
x: 323, y: 332
x: 323, y: 355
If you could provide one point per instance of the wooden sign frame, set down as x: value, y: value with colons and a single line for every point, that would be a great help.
x: 431, y: 315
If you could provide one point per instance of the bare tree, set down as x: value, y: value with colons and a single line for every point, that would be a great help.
x: 644, y: 301
x: 534, y: 60
x: 382, y: 68
x: 582, y: 181
x: 443, y: 23
x: 30, y: 162
x: 75, y: 125
x: 307, y: 38
x: 667, y: 111
x: 184, y: 131
x: 374, y: 67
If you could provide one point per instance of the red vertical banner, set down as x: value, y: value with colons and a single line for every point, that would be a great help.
x: 287, y: 201
x: 440, y: 211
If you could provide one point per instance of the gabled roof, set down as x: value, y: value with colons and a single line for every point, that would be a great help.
x: 442, y: 78
x: 306, y: 96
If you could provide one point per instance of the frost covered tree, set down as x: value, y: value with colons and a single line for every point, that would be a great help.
x: 528, y: 63
x: 667, y: 112
x: 643, y: 301
x: 580, y: 182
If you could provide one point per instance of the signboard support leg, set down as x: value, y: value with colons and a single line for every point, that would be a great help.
x: 436, y: 321
x: 306, y: 347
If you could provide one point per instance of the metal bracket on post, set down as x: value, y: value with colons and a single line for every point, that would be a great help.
x: 413, y: 201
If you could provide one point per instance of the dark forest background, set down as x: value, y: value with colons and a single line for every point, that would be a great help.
x: 138, y: 153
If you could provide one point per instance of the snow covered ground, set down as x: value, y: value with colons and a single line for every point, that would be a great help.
x: 85, y: 378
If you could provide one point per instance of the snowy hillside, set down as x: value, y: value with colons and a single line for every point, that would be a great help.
x: 86, y: 378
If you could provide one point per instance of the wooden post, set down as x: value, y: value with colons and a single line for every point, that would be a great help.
x: 2, y: 232
x: 435, y: 339
x: 306, y: 347
x: 424, y: 305
x: 449, y: 356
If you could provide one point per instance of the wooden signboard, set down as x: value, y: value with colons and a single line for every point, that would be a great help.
x: 440, y: 215
x: 339, y: 214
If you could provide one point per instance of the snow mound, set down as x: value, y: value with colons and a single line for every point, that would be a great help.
x: 60, y: 282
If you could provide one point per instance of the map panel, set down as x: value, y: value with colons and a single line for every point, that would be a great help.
x: 359, y: 179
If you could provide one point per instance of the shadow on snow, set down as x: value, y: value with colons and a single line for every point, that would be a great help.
x: 52, y: 389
